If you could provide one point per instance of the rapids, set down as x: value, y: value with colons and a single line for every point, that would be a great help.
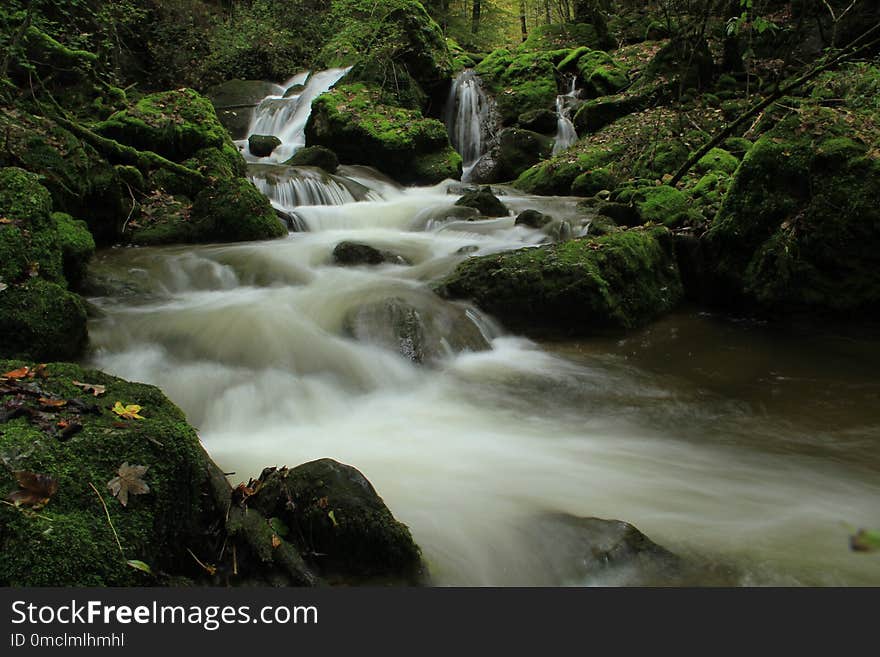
x: 748, y: 450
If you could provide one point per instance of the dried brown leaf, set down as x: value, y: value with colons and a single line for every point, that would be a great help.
x: 128, y: 482
x: 35, y: 489
x: 93, y: 388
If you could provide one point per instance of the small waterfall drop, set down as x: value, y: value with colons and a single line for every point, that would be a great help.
x: 468, y: 118
x: 566, y: 135
x: 286, y: 118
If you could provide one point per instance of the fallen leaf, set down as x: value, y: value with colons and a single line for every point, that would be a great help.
x: 36, y: 489
x: 52, y: 403
x: 129, y: 481
x: 5, y: 220
x: 93, y: 388
x: 20, y: 373
x: 139, y: 565
x: 128, y: 412
x: 332, y: 517
x: 275, y: 541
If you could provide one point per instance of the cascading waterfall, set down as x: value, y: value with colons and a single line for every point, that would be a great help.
x: 467, y: 116
x: 566, y: 135
x: 286, y: 118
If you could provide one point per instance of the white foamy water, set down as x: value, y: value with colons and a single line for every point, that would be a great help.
x: 251, y: 340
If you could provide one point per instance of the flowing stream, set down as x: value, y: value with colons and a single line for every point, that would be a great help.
x: 751, y: 451
x: 566, y: 135
x: 468, y: 119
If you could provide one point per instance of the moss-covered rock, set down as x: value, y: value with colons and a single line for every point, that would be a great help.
x: 315, y: 156
x: 543, y: 121
x: 70, y: 542
x: 594, y: 115
x: 659, y: 204
x: 519, y: 81
x: 352, y: 122
x: 800, y: 227
x: 485, y: 201
x: 512, y: 151
x: 599, y: 72
x: 80, y: 181
x: 77, y: 246
x: 41, y: 320
x: 174, y: 124
x: 410, y: 45
x: 617, y: 281
x: 592, y: 182
x: 559, y: 36
x: 330, y: 510
x: 263, y: 145
x: 234, y: 210
x: 717, y: 159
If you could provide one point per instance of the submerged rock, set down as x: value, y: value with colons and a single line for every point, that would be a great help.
x: 421, y: 329
x: 485, y: 202
x: 532, y: 219
x: 617, y: 281
x: 356, y: 253
x: 263, y: 145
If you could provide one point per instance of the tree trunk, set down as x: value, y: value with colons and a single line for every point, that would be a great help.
x: 475, y: 17
x: 522, y: 19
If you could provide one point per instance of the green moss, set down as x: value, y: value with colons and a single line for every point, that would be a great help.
x: 175, y: 124
x: 593, y: 182
x: 660, y: 158
x: 232, y: 211
x: 661, y: 204
x: 562, y: 36
x: 619, y: 281
x: 484, y: 201
x: 352, y: 122
x: 717, y: 160
x: 70, y: 543
x: 737, y: 146
x: 601, y: 74
x: 520, y: 82
x: 77, y: 246
x: 315, y: 156
x: 41, y: 320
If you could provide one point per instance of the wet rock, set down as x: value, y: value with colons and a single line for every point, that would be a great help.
x: 543, y: 121
x: 315, y: 156
x: 533, y: 219
x: 294, y: 90
x: 263, y: 145
x: 617, y: 281
x: 356, y: 253
x: 234, y: 102
x: 513, y: 151
x: 331, y: 514
x: 485, y: 202
x: 423, y: 329
x: 623, y: 214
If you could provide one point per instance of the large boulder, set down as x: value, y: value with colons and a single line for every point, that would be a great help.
x: 599, y: 73
x: 484, y: 201
x: 263, y: 145
x: 519, y: 81
x: 174, y: 124
x: 39, y: 317
x: 315, y: 156
x: 351, y: 121
x: 618, y: 281
x: 512, y: 151
x: 356, y: 253
x: 333, y: 517
x: 799, y: 229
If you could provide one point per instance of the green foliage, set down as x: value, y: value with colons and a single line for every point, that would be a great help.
x: 519, y: 81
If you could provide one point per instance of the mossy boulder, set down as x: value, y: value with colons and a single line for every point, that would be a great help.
x: 532, y: 219
x: 592, y: 182
x: 174, y: 124
x: 79, y: 180
x: 41, y: 320
x: 599, y: 72
x: 618, y: 281
x: 234, y: 210
x: 594, y: 115
x: 484, y: 201
x: 70, y: 542
x: 315, y: 156
x: 512, y: 151
x: 330, y: 510
x: 77, y: 246
x: 543, y: 121
x: 717, y: 159
x: 799, y: 229
x: 659, y: 204
x: 519, y: 81
x: 558, y: 36
x: 263, y: 145
x: 411, y: 44
x: 352, y: 122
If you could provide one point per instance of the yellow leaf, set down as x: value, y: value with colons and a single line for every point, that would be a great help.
x: 128, y: 412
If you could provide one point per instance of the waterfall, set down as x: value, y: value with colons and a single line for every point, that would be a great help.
x: 566, y: 135
x: 286, y: 118
x: 468, y: 118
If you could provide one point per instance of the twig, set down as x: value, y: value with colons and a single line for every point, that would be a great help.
x: 208, y: 569
x: 109, y: 522
x: 33, y: 513
x: 133, y: 205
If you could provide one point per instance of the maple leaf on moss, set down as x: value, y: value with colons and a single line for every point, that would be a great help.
x: 129, y: 481
x: 128, y: 411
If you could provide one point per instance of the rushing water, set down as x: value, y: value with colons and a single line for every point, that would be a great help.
x: 468, y: 119
x: 566, y: 134
x: 752, y: 451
